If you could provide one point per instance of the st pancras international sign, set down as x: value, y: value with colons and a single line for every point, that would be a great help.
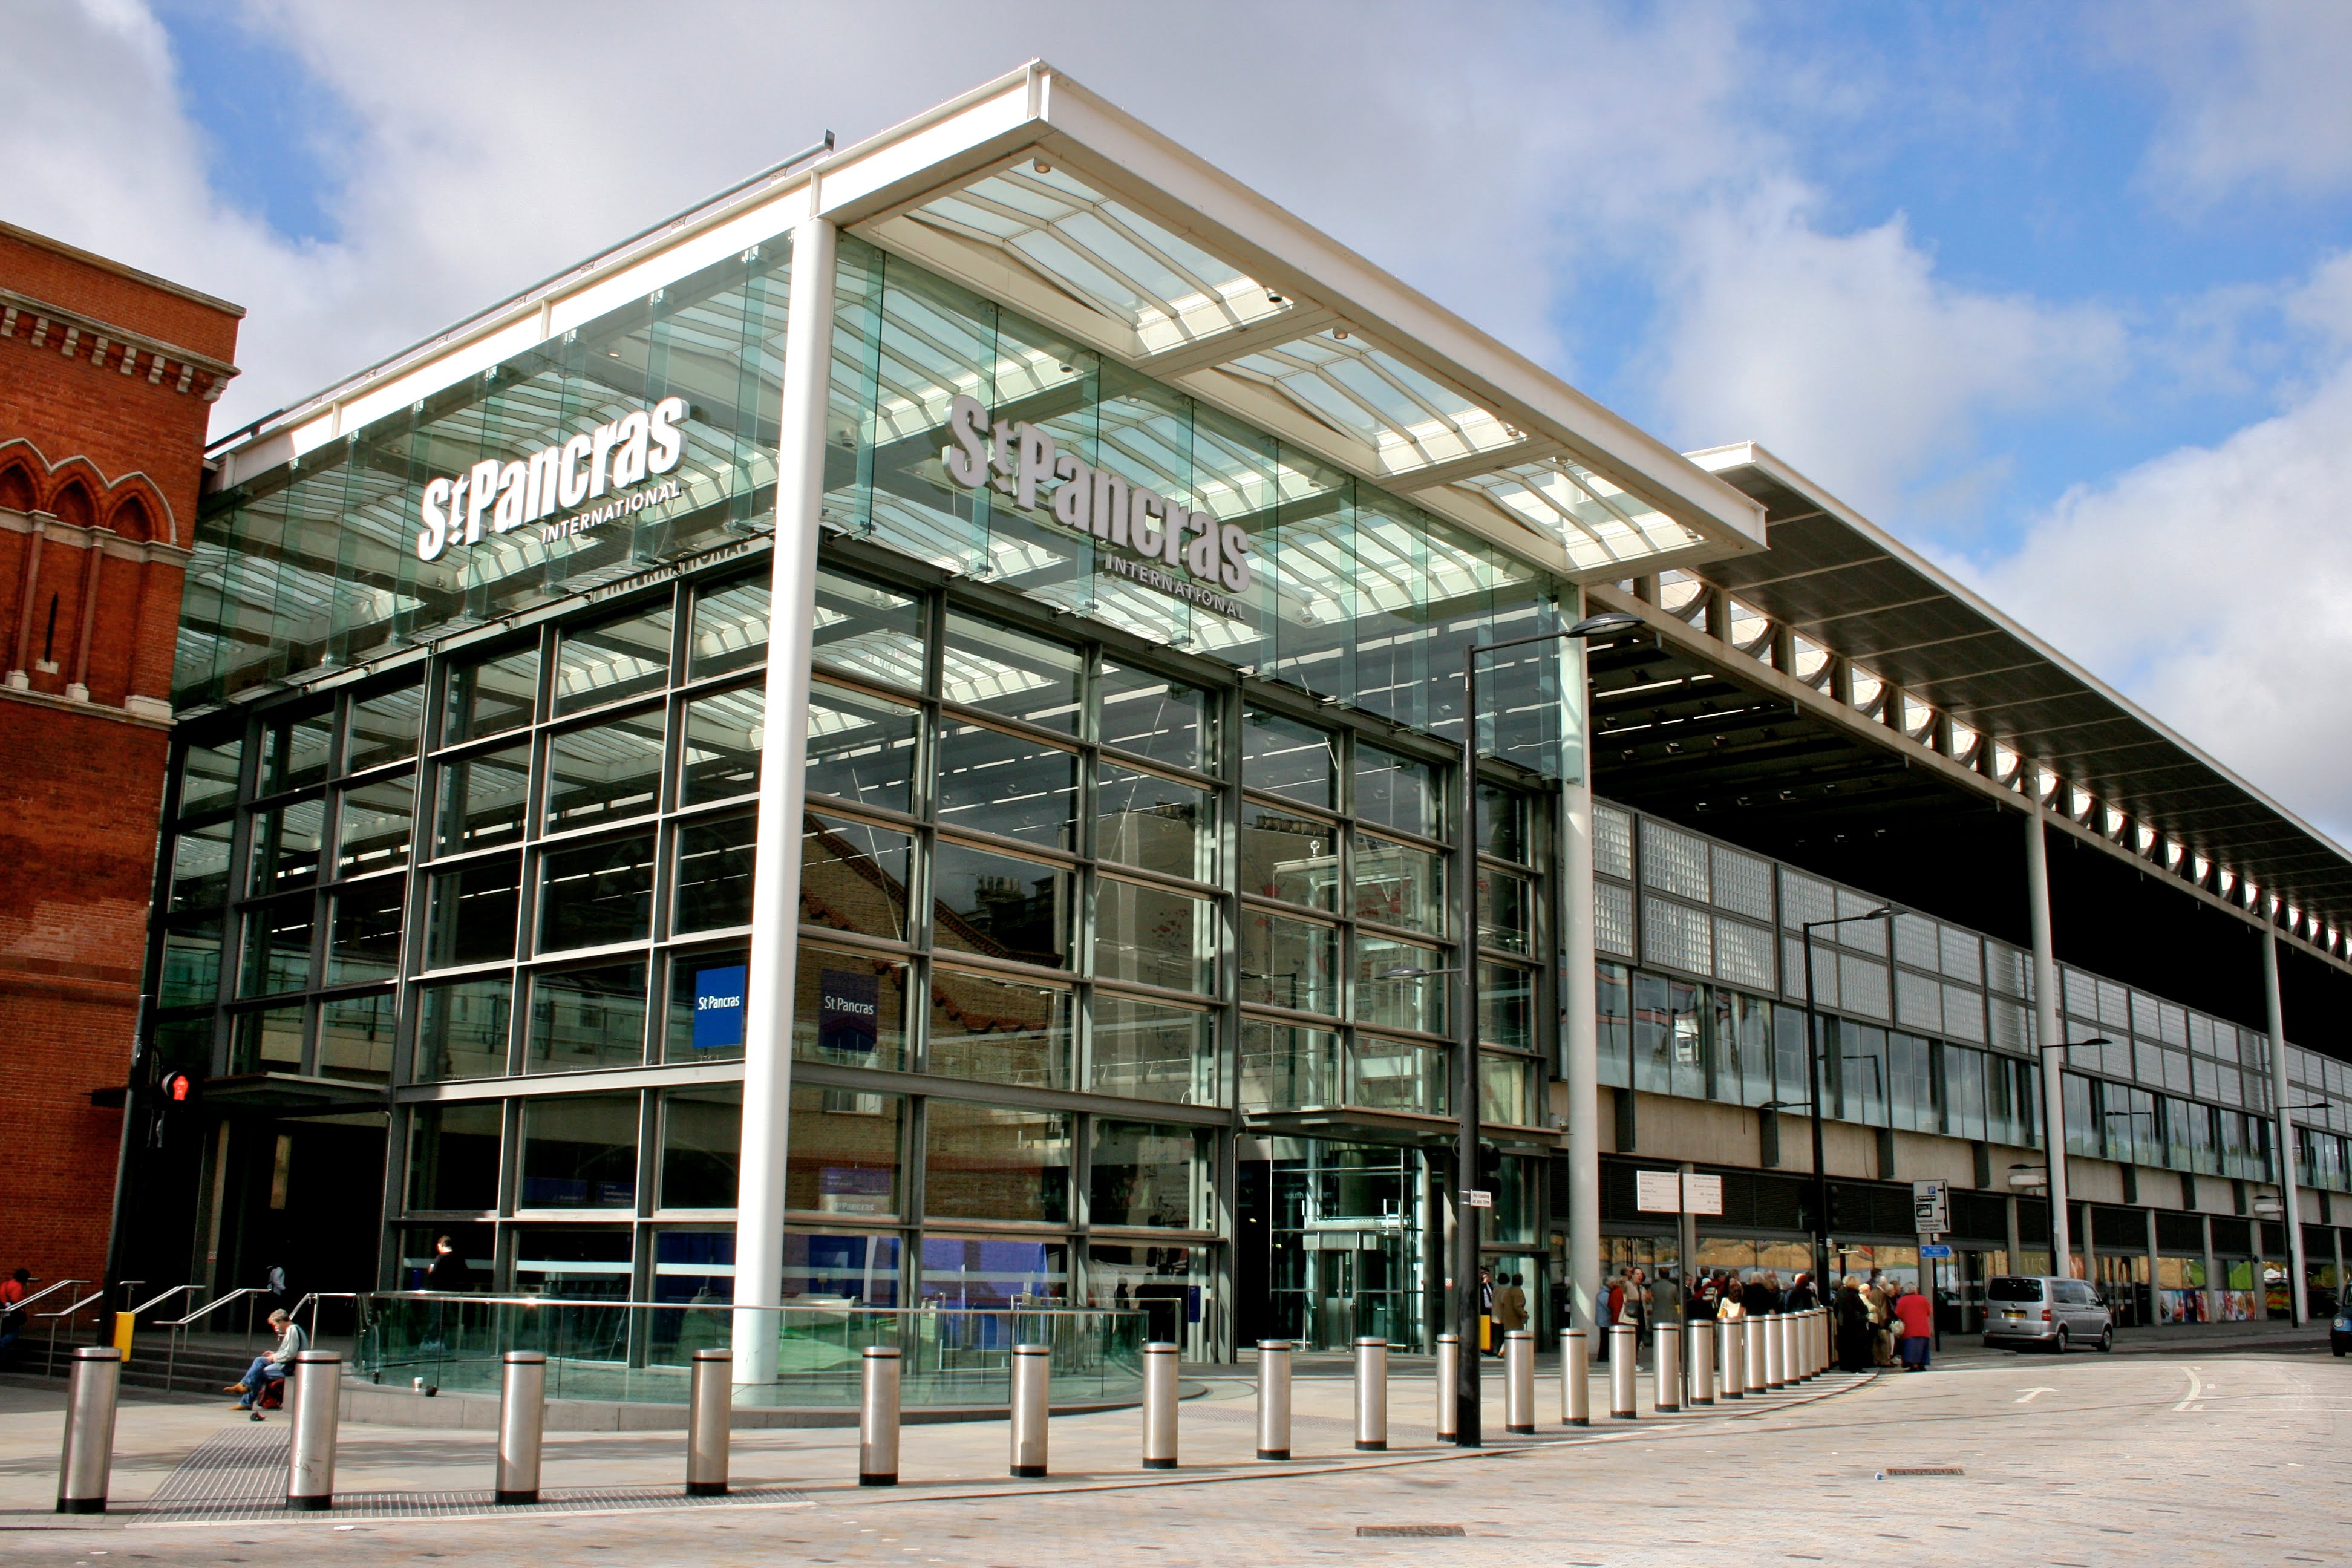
x: 618, y: 460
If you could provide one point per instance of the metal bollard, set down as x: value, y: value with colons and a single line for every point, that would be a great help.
x: 1371, y: 1395
x: 1575, y: 1378
x: 522, y: 1423
x: 1667, y: 1372
x: 1813, y: 1343
x: 1518, y: 1382
x: 1033, y: 1375
x: 1751, y: 1331
x: 709, y: 1402
x: 1732, y: 1351
x: 88, y: 1460
x: 1274, y: 1399
x: 1159, y: 1406
x: 312, y: 1385
x: 1449, y: 1387
x: 1775, y: 1349
x: 1623, y: 1348
x: 877, y: 1418
x: 1702, y: 1371
x: 1793, y: 1358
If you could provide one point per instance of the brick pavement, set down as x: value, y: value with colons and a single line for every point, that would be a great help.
x: 2211, y: 1457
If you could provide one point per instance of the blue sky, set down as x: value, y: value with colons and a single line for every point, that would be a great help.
x: 2061, y: 294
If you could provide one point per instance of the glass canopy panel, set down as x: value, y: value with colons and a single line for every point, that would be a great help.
x: 1105, y: 254
x: 1600, y: 524
x: 1399, y: 417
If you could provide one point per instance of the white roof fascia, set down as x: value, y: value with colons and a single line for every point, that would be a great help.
x: 1749, y: 454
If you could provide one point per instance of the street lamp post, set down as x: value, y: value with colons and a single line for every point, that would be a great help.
x: 1814, y: 1087
x: 1466, y: 1424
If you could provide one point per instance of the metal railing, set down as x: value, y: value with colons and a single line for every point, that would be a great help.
x: 49, y: 1363
x: 179, y: 1326
x: 312, y: 1300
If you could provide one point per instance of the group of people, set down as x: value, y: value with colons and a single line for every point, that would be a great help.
x: 1882, y: 1322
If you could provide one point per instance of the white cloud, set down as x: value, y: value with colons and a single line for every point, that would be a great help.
x: 2258, y: 94
x: 1849, y: 356
x: 2211, y: 582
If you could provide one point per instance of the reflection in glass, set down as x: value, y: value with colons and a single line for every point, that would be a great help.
x: 1153, y: 716
x: 842, y: 1158
x: 192, y: 961
x: 1149, y: 1050
x: 862, y: 748
x: 473, y: 914
x: 1667, y: 1056
x: 850, y: 1008
x: 294, y: 752
x: 1507, y: 1090
x: 1289, y: 963
x: 364, y: 944
x: 286, y: 846
x: 491, y: 696
x: 702, y: 1147
x: 276, y: 948
x: 453, y: 1156
x: 383, y: 728
x: 461, y: 1030
x: 1287, y: 1067
x: 378, y: 821
x: 1415, y: 1001
x: 200, y: 868
x: 866, y: 629
x: 1153, y: 936
x: 994, y: 782
x: 1294, y: 858
x: 1003, y: 1031
x: 853, y: 876
x: 720, y: 756
x: 1000, y: 905
x: 1506, y: 910
x: 1003, y: 671
x: 587, y: 1018
x: 1147, y: 821
x: 1398, y: 885
x: 1506, y: 1006
x: 731, y: 630
x: 992, y: 1161
x: 355, y: 1034
x: 208, y: 777
x: 976, y: 1273
x: 1144, y: 1173
x: 579, y: 1151
x: 715, y: 860
x: 1398, y: 1074
x: 604, y: 773
x: 1503, y: 824
x: 572, y: 1262
x: 599, y: 893
x: 483, y: 799
x: 606, y: 663
x: 1399, y: 793
x: 1282, y: 756
x: 267, y: 1041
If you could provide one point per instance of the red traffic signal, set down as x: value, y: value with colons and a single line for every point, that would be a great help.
x: 176, y: 1086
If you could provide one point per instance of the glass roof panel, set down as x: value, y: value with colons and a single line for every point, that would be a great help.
x: 1599, y: 522
x: 1403, y: 418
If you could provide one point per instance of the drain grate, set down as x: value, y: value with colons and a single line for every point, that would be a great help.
x: 1409, y: 1529
x: 1895, y: 1470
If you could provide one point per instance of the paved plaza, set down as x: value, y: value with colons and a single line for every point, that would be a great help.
x: 2219, y: 1454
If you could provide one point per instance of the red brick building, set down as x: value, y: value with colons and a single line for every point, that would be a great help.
x: 106, y: 382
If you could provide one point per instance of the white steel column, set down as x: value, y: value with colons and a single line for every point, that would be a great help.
x: 1579, y: 1033
x: 2288, y: 1199
x: 2045, y: 1031
x: 783, y: 778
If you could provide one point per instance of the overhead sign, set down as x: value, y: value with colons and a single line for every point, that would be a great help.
x: 618, y: 460
x: 1023, y: 462
x: 1658, y: 1191
x: 719, y: 1008
x: 1931, y: 1207
x: 1702, y: 1194
x: 1935, y: 1249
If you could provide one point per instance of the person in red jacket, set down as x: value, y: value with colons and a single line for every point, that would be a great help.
x: 1917, y: 1317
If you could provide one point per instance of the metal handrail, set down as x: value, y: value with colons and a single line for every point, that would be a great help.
x: 166, y: 1296
x: 49, y: 1363
x: 312, y: 1300
x: 928, y: 1306
x: 179, y: 1327
x: 44, y: 1291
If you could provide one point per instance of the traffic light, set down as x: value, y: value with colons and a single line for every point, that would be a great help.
x: 1837, y: 1216
x: 176, y: 1088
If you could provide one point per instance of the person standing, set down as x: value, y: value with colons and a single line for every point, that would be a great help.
x: 1915, y: 1315
x: 1879, y: 1299
x: 1854, y: 1332
x: 448, y: 1270
x: 1800, y: 1295
x: 12, y: 1316
x: 1510, y: 1307
x: 1486, y: 1336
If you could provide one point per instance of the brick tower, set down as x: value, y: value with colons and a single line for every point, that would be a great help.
x: 107, y: 380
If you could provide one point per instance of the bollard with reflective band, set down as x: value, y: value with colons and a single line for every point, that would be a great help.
x: 1032, y: 1377
x: 1792, y: 1359
x: 877, y: 1418
x: 1575, y: 1378
x: 1731, y: 1355
x: 1812, y: 1344
x: 1159, y: 1406
x: 1274, y: 1399
x: 1775, y: 1349
x: 709, y: 1403
x: 1751, y: 1334
x: 1449, y: 1386
x: 1623, y: 1348
x: 1820, y: 1339
x: 1667, y: 1373
x: 313, y: 1387
x: 523, y: 1425
x: 1702, y: 1367
x: 1371, y: 1395
x: 88, y: 1461
x: 1518, y: 1382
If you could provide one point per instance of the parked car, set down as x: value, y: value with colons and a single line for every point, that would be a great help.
x: 2040, y: 1312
